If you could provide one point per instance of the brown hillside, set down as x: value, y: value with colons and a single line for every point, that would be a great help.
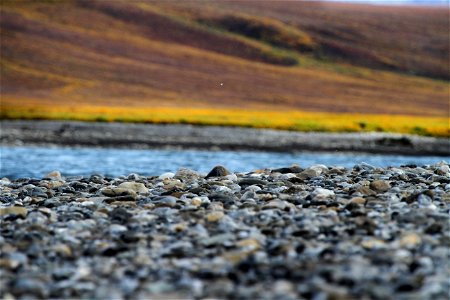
x: 413, y: 40
x: 162, y: 54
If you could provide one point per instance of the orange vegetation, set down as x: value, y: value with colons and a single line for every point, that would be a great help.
x: 286, y: 120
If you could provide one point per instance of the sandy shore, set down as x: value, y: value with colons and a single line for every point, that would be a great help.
x: 212, y: 137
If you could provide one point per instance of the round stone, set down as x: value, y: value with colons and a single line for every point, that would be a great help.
x: 218, y: 171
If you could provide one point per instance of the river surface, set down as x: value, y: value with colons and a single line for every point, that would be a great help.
x: 35, y: 162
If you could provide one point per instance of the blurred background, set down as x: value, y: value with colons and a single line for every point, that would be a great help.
x: 309, y: 66
x: 297, y: 65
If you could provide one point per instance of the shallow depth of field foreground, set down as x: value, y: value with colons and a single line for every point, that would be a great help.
x: 291, y: 233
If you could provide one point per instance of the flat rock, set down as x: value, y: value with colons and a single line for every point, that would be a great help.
x: 14, y: 210
x: 135, y: 186
x: 119, y: 192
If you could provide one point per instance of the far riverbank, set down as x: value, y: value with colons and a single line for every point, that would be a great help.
x: 151, y: 136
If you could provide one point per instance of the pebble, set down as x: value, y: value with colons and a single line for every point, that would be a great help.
x: 165, y: 201
x: 14, y: 211
x: 187, y: 175
x: 55, y: 175
x: 274, y: 204
x: 62, y: 250
x: 322, y: 194
x: 134, y: 186
x: 364, y: 190
x: 380, y: 186
x: 196, y: 201
x: 214, y: 216
x: 167, y: 175
x: 358, y: 200
x: 310, y: 173
x: 251, y: 181
x: 410, y: 240
x: 218, y: 171
x: 292, y: 169
x: 119, y: 192
x: 287, y: 233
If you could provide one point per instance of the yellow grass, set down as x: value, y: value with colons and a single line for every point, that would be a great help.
x: 287, y: 120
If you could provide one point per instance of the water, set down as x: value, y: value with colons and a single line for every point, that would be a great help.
x: 35, y: 162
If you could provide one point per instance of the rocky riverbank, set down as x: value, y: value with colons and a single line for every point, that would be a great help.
x: 212, y: 137
x: 289, y: 233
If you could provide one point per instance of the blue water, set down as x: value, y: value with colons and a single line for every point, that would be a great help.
x: 35, y: 162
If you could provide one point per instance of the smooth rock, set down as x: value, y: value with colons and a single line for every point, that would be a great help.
x: 358, y: 200
x: 322, y: 194
x: 275, y: 204
x: 410, y: 240
x: 380, y: 186
x: 167, y: 175
x: 218, y: 171
x: 196, y: 201
x: 118, y: 192
x: 292, y: 169
x: 165, y: 201
x: 365, y: 190
x: 214, y: 216
x: 187, y: 175
x: 135, y: 186
x: 310, y: 173
x: 63, y: 250
x: 55, y: 175
x: 30, y: 286
x: 14, y: 210
x: 251, y: 181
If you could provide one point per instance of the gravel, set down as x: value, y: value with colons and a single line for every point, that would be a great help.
x: 290, y: 233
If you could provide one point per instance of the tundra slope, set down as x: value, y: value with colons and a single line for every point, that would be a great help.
x: 359, y: 58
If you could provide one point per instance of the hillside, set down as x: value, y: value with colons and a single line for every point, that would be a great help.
x: 253, y: 55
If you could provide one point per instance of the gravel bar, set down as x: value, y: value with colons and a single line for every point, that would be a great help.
x: 213, y: 137
x: 289, y: 233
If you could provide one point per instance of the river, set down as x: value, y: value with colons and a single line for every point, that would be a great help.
x: 35, y: 162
